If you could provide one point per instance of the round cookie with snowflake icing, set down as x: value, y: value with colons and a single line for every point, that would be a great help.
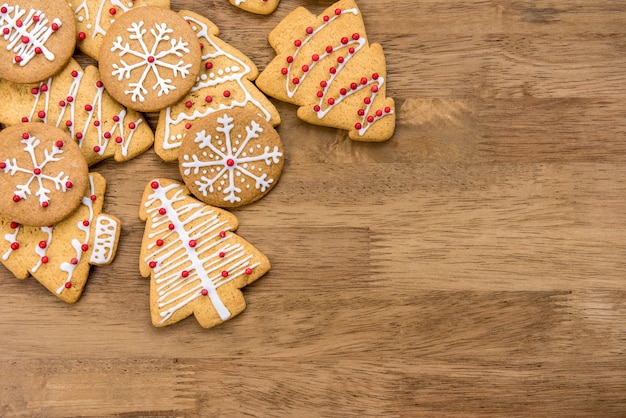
x: 149, y: 58
x: 43, y: 174
x: 231, y: 158
x: 37, y: 39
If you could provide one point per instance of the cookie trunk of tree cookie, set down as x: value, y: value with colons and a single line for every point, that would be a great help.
x: 75, y: 101
x: 325, y: 65
x: 225, y: 82
x: 196, y: 263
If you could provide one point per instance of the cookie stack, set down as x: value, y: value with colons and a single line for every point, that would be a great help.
x: 213, y: 121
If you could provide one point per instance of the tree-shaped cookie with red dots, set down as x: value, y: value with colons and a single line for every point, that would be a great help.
x: 225, y: 82
x: 326, y: 65
x: 75, y: 100
x: 196, y: 263
x: 60, y: 256
x: 94, y: 17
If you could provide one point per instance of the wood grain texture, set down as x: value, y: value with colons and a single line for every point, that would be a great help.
x: 473, y: 265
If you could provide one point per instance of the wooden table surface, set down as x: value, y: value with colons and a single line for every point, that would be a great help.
x: 472, y: 265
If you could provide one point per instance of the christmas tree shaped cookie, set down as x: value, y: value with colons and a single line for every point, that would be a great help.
x: 225, y: 82
x: 326, y: 65
x: 262, y: 7
x: 75, y: 100
x: 94, y: 17
x: 59, y: 256
x: 196, y: 263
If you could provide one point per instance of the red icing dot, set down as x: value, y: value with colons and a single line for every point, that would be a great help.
x: 41, y: 114
x: 332, y: 70
x: 44, y: 204
x: 69, y: 99
x: 315, y: 57
x: 387, y: 109
x: 85, y: 222
x: 226, y: 93
x: 208, y: 99
x: 25, y: 135
x: 320, y: 94
x: 84, y: 247
x: 326, y: 18
x: 363, y: 80
x: 54, y: 27
x: 248, y: 271
x: 184, y: 273
x: 25, y: 39
x: 230, y: 162
x: 36, y: 18
x: 329, y: 49
x: 150, y: 59
x: 62, y: 103
x: 112, y: 11
x: 18, y: 23
x: 375, y: 76
x: 343, y: 91
x: 43, y: 244
x: 351, y: 50
x: 188, y: 103
x: 79, y: 135
x: 284, y: 71
x: 188, y: 125
x: 222, y: 254
x: 24, y: 119
x: 222, y: 234
x: 379, y: 113
x: 357, y: 126
x: 14, y: 225
x: 152, y: 264
x: 192, y: 243
x: 309, y: 30
x: 34, y: 90
x: 96, y: 148
x: 204, y: 292
x: 118, y: 139
x: 374, y: 89
x: 337, y: 12
x: 74, y: 73
x: 331, y: 101
x: 38, y: 50
x: 69, y: 184
x: 16, y: 198
x: 316, y: 108
x: 107, y: 135
x: 353, y: 86
x: 93, y: 197
x: 355, y: 36
x: 340, y: 60
x: 44, y: 88
x: 224, y: 273
x: 82, y: 36
x: 99, y: 84
x: 96, y: 123
x: 15, y: 246
x: 37, y: 171
x: 295, y: 80
x: 323, y: 84
x: 370, y: 119
x: 4, y: 9
x: 344, y: 40
x: 367, y: 100
x: 88, y: 107
x: 162, y: 211
x: 305, y: 68
x: 68, y: 285
x: 297, y: 43
x: 208, y: 65
x: 361, y: 112
x: 68, y: 123
x: 44, y: 259
x: 116, y: 118
x: 171, y: 227
x: 3, y: 165
x: 74, y: 261
x: 289, y: 59
x: 154, y: 184
x: 132, y: 125
x: 6, y: 31
x: 159, y: 243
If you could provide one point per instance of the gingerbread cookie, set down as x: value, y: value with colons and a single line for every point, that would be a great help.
x: 75, y: 100
x: 93, y: 18
x: 43, y: 174
x: 59, y: 256
x: 195, y: 261
x: 225, y: 82
x: 326, y: 65
x: 149, y: 58
x: 231, y: 158
x: 37, y: 38
x: 262, y: 7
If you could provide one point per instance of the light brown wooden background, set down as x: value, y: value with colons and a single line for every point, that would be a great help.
x: 472, y: 265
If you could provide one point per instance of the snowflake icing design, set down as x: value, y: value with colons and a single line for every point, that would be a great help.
x: 36, y: 172
x: 150, y: 60
x: 231, y: 159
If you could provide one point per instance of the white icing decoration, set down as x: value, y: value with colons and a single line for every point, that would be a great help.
x: 324, y: 106
x: 238, y: 74
x: 202, y: 262
x: 41, y: 252
x: 53, y: 155
x: 104, y: 240
x: 32, y: 27
x: 98, y: 29
x: 11, y: 238
x: 230, y: 162
x: 70, y: 108
x: 149, y: 60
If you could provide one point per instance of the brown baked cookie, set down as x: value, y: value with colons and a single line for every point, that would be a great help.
x: 43, y: 174
x: 149, y: 58
x: 231, y: 158
x: 37, y: 38
x: 262, y: 7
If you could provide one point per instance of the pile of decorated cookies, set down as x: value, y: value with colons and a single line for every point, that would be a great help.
x: 214, y: 120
